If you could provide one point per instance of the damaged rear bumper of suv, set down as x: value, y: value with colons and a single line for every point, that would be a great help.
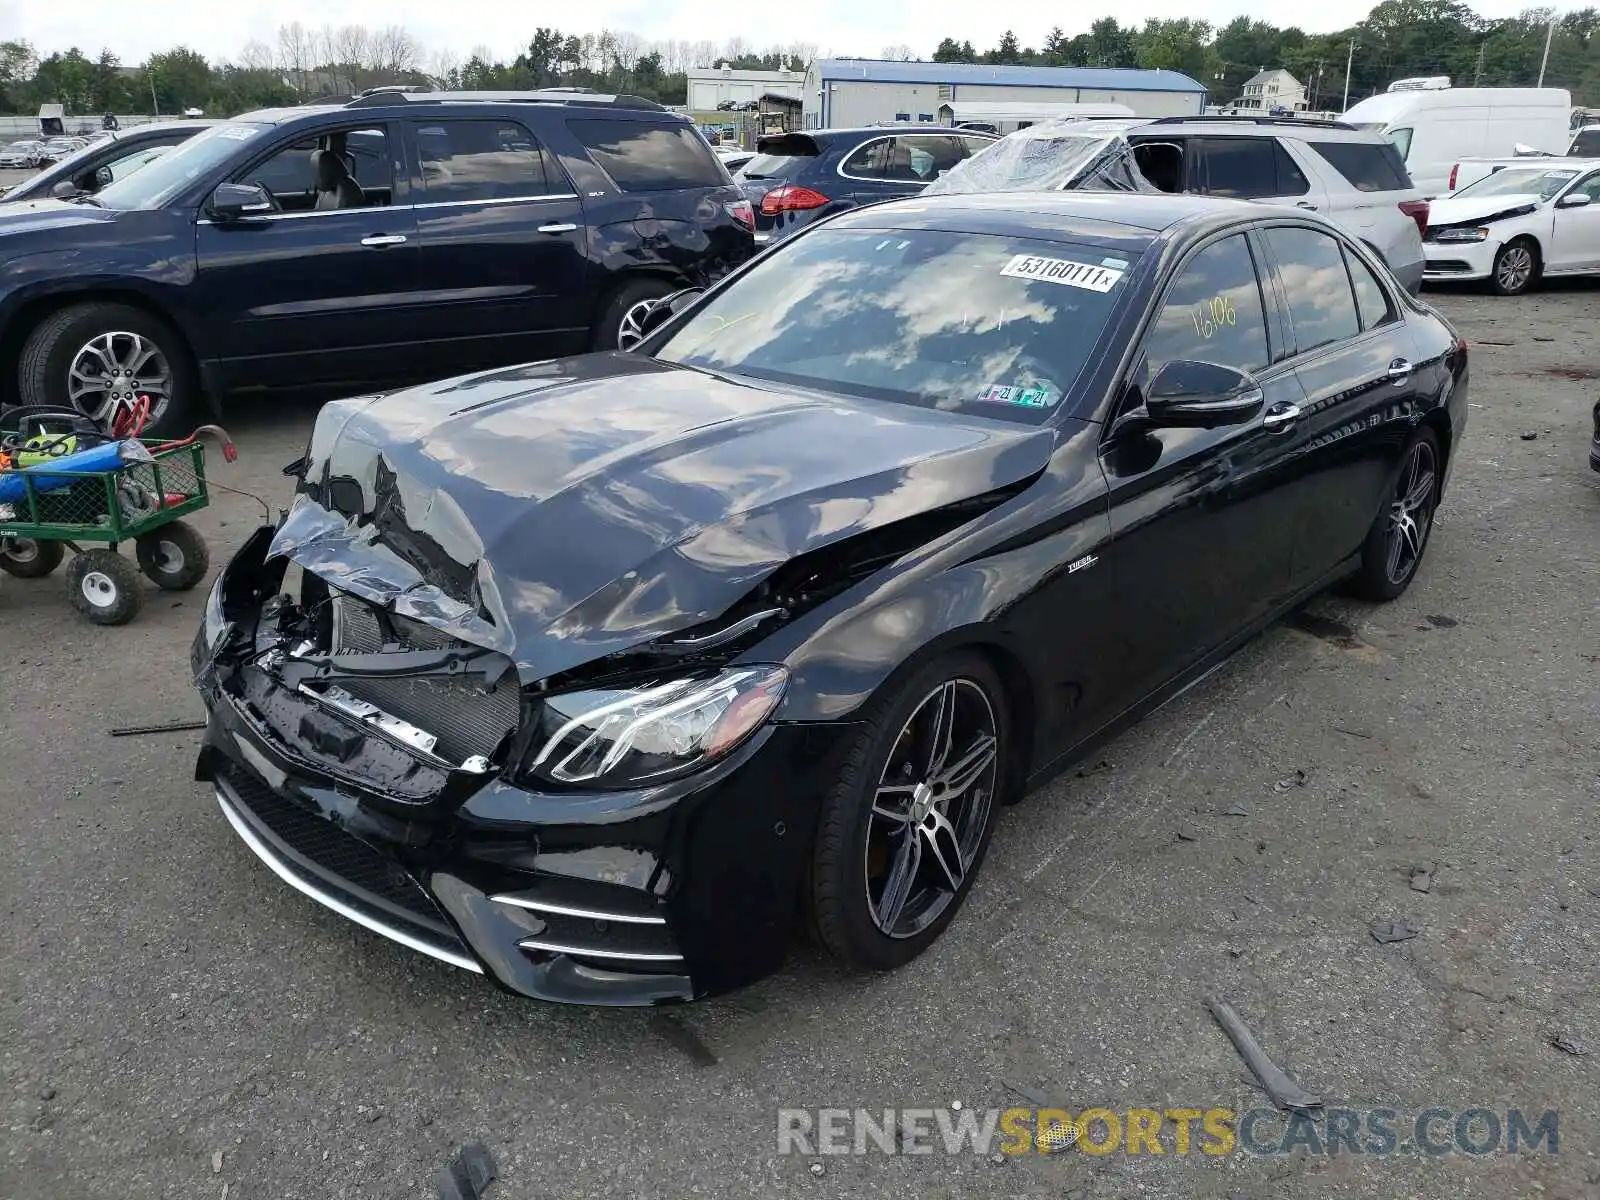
x: 364, y: 758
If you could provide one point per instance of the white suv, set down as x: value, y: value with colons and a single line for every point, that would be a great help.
x: 1354, y: 177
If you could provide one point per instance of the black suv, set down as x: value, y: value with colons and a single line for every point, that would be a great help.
x: 397, y: 237
x: 797, y: 178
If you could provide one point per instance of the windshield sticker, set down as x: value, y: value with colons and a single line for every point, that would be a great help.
x: 1211, y: 315
x: 1035, y: 396
x: 1062, y: 270
x: 238, y: 133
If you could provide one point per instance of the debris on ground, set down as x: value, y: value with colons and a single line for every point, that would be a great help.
x: 1392, y: 931
x: 1566, y: 1045
x: 1284, y: 1092
x: 817, y: 1168
x: 1530, y: 436
x: 1298, y: 779
x: 1355, y: 733
x: 1096, y: 769
x: 1238, y: 810
x: 1439, y: 621
x: 216, y: 1162
x: 467, y: 1174
x: 1422, y: 877
x: 1185, y: 836
x: 169, y: 727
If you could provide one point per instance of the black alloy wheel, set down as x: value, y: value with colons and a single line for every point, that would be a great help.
x: 1399, y: 537
x: 905, y: 830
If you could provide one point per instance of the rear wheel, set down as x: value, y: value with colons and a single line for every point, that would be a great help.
x: 28, y: 558
x: 1516, y: 267
x: 906, y: 826
x: 621, y: 323
x: 1399, y: 537
x: 95, y: 357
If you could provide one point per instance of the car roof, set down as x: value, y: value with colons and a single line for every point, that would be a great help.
x: 1225, y: 126
x: 844, y: 133
x: 1128, y: 217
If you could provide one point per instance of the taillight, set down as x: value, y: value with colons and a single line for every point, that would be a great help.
x: 1417, y: 210
x: 741, y: 212
x: 1454, y: 171
x: 791, y: 197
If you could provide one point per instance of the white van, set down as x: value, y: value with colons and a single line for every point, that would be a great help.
x: 1435, y: 126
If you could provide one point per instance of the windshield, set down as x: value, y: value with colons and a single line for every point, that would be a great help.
x: 23, y: 146
x: 992, y: 325
x: 163, y: 179
x: 1519, y: 181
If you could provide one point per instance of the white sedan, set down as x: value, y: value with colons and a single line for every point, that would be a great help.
x: 1517, y: 225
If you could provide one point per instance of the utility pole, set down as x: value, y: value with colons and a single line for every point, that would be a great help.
x: 154, y: 107
x: 1477, y: 73
x: 1348, y: 63
x: 1548, y: 34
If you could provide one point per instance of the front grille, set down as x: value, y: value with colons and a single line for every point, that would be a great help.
x: 466, y: 717
x: 334, y: 856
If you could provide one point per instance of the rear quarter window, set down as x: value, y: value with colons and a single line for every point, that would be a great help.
x: 642, y: 157
x: 1367, y: 166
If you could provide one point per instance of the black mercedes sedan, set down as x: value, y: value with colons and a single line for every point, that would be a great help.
x: 603, y: 676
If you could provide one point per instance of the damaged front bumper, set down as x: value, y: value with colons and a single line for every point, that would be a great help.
x: 649, y: 896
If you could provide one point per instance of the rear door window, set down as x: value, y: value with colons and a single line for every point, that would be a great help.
x: 1316, y: 285
x: 483, y: 160
x: 1366, y: 166
x: 643, y: 157
x: 1251, y: 168
x: 1371, y: 299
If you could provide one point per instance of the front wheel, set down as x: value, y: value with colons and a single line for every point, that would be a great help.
x: 905, y: 828
x: 1516, y: 268
x: 1399, y: 537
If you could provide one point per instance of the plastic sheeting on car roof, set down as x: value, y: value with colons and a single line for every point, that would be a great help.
x: 1056, y: 155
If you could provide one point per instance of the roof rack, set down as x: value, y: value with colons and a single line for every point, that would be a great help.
x: 1317, y: 122
x: 406, y: 94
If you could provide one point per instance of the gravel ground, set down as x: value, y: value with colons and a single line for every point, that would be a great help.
x: 179, y: 1023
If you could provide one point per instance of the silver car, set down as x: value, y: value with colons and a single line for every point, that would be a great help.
x: 23, y: 155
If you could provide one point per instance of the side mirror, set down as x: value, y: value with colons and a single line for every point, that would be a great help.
x: 1574, y: 200
x: 103, y: 178
x: 1190, y: 394
x: 232, y: 201
x: 666, y: 308
x: 63, y: 189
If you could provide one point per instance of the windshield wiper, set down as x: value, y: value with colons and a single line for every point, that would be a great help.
x: 87, y: 198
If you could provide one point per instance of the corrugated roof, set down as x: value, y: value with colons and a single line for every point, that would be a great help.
x: 1107, y: 79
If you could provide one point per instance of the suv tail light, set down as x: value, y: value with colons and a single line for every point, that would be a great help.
x: 741, y: 212
x: 1454, y: 171
x: 791, y: 197
x: 1417, y: 210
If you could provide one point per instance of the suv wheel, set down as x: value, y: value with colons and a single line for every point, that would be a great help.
x: 619, y: 324
x: 93, y: 357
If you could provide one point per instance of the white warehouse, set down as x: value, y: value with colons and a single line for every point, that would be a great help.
x: 845, y: 92
x: 709, y: 87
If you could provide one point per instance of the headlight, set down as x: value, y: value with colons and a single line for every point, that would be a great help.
x: 215, y: 622
x: 1461, y: 235
x: 651, y: 732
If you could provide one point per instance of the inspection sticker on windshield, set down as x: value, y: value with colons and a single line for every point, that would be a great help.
x: 1042, y: 396
x: 237, y: 133
x: 1088, y: 276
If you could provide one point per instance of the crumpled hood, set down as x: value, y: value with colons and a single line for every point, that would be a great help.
x: 1458, y: 210
x: 563, y: 511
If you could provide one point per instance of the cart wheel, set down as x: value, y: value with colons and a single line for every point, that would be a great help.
x: 28, y: 558
x: 174, y: 557
x: 105, y: 587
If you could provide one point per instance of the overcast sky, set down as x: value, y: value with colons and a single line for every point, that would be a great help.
x: 218, y: 30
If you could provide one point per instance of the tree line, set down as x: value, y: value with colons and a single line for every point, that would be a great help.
x: 307, y: 64
x: 1398, y: 39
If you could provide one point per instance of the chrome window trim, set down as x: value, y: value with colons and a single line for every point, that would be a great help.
x: 284, y: 872
x: 392, y: 208
x: 495, y: 200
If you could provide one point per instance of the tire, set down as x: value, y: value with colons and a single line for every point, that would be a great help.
x: 174, y: 557
x: 1505, y: 279
x: 1378, y: 577
x: 65, y: 335
x: 27, y: 558
x: 105, y: 587
x: 609, y: 330
x: 859, y: 847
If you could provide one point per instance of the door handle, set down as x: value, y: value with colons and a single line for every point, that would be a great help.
x: 563, y: 227
x: 1279, y: 417
x: 1305, y: 204
x: 1399, y: 371
x: 384, y: 239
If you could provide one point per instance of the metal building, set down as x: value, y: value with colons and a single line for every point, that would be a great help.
x: 844, y: 92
